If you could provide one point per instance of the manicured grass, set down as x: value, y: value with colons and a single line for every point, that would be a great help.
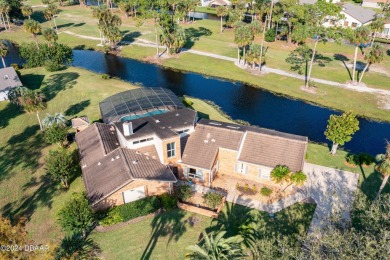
x: 207, y: 111
x: 167, y: 235
x: 24, y: 188
x: 206, y: 9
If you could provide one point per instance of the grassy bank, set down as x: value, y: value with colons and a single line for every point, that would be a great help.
x: 204, y: 35
x: 24, y: 188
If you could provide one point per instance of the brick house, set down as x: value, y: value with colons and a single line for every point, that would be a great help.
x: 149, y: 140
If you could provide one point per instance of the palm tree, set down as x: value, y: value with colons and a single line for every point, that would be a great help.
x: 76, y: 247
x: 242, y: 37
x: 50, y: 35
x: 56, y: 119
x: 4, y: 11
x: 280, y: 173
x: 375, y: 55
x: 359, y: 37
x: 383, y: 167
x: 298, y: 179
x: 3, y: 51
x: 222, y: 11
x: 216, y: 247
x: 34, y: 28
x: 27, y: 11
x: 50, y: 13
x: 376, y: 26
x: 28, y: 100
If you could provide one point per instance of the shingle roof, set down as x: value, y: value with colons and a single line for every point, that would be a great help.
x: 270, y: 150
x: 80, y: 121
x: 259, y: 145
x: 161, y: 125
x: 9, y: 79
x: 106, y: 167
x: 203, y: 144
x: 361, y: 14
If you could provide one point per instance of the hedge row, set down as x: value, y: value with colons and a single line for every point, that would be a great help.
x: 131, y: 210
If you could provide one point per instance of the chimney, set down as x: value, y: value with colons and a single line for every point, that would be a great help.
x: 127, y: 128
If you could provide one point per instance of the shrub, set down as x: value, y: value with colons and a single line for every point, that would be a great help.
x: 130, y: 210
x: 168, y: 202
x: 212, y: 199
x: 265, y: 191
x: 270, y: 35
x: 184, y: 192
x: 352, y: 159
x: 105, y: 76
x: 254, y: 188
x: 51, y: 66
x: 246, y: 187
x: 15, y: 66
x: 365, y: 158
x: 238, y: 187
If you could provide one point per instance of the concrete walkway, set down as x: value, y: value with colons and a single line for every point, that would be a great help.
x: 266, y: 69
x: 332, y: 190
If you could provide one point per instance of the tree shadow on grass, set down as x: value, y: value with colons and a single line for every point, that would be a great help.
x: 58, y: 82
x: 343, y: 59
x: 9, y: 112
x: 77, y: 108
x: 38, y: 16
x: 193, y: 35
x: 371, y: 184
x: 70, y: 25
x: 32, y: 81
x: 130, y: 36
x: 167, y: 224
x: 22, y: 152
x: 41, y: 197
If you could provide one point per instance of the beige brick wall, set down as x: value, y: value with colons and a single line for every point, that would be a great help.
x: 152, y: 188
x: 227, y: 160
x: 206, y: 174
x: 172, y: 160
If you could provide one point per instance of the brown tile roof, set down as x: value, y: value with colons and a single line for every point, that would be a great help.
x: 271, y: 150
x: 260, y: 146
x: 149, y: 150
x: 80, y: 121
x: 106, y: 167
x: 203, y: 144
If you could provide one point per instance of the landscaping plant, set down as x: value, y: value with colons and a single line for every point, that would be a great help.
x: 60, y: 166
x: 212, y: 199
x: 265, y: 191
x: 168, y: 202
x: 184, y: 192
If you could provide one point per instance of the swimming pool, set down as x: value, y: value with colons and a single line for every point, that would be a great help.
x: 151, y: 113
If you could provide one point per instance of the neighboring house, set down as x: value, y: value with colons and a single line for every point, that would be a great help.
x: 216, y: 3
x: 354, y: 16
x: 149, y: 140
x: 80, y: 123
x: 205, y: 2
x: 373, y: 3
x: 8, y: 80
x: 385, y: 34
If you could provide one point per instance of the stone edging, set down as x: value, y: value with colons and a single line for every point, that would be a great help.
x: 102, y: 229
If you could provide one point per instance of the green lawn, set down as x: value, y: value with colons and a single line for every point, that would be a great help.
x: 167, y: 235
x: 24, y: 188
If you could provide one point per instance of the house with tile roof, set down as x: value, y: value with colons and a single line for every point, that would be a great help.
x: 143, y: 151
x: 8, y: 79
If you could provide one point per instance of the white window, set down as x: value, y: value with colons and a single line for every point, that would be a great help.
x: 193, y: 173
x: 241, y: 168
x: 265, y: 173
x: 171, y: 150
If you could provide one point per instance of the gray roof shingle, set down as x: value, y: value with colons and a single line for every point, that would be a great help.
x: 9, y: 79
x: 361, y: 14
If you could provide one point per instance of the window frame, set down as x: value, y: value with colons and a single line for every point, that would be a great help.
x: 171, y: 150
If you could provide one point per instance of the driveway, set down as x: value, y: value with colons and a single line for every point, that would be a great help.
x: 333, y: 191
